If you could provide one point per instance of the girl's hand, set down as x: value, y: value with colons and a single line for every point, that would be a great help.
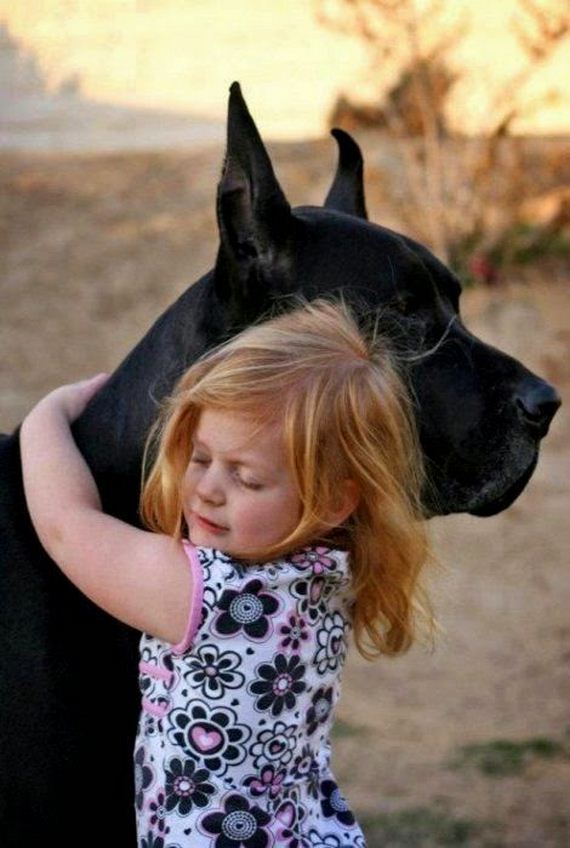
x: 72, y: 398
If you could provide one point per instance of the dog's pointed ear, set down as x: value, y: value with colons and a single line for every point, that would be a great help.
x: 254, y: 217
x: 347, y: 191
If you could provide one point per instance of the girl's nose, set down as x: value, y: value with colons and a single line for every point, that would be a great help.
x: 210, y: 488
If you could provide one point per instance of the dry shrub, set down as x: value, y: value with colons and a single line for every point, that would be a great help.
x: 463, y: 196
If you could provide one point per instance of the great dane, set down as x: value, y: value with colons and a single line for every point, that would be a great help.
x: 68, y: 690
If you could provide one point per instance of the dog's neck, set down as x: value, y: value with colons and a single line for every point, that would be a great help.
x: 112, y: 431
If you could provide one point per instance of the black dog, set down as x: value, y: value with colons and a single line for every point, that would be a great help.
x: 68, y: 687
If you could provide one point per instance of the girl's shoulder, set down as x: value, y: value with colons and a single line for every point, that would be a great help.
x: 234, y: 598
x: 319, y: 562
x: 310, y: 580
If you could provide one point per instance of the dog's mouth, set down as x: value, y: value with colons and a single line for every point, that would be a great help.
x: 507, y: 498
x: 470, y: 499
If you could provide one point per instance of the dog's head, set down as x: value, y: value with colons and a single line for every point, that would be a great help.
x: 481, y: 414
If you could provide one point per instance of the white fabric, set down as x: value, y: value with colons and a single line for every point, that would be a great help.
x: 233, y: 743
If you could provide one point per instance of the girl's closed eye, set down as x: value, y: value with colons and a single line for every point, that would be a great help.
x: 247, y: 482
x: 199, y: 459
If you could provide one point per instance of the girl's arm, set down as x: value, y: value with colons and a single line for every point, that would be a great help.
x: 141, y: 578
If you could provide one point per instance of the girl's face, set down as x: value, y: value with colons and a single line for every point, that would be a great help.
x: 238, y: 492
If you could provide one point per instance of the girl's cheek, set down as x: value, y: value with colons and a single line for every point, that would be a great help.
x: 188, y: 488
x: 191, y: 476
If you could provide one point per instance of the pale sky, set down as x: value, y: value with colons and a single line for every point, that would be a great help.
x: 183, y: 54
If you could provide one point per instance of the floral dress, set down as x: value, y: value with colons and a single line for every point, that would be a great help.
x: 233, y: 746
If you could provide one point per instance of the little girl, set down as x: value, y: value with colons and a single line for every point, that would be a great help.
x: 283, y: 507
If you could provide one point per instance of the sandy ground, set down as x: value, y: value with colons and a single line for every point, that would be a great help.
x: 94, y: 248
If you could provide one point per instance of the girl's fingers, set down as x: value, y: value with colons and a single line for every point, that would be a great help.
x: 91, y: 386
x: 95, y: 380
x: 74, y: 397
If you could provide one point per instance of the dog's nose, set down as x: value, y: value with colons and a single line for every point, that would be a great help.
x: 537, y: 402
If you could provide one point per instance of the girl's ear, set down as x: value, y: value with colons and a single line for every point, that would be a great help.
x: 346, y: 501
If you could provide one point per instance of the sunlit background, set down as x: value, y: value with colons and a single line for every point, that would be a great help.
x: 58, y: 57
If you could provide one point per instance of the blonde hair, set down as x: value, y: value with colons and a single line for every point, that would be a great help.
x: 345, y: 415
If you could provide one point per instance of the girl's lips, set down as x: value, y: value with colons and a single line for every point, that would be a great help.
x: 209, y: 525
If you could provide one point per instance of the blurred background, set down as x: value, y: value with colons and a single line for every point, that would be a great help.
x: 112, y: 121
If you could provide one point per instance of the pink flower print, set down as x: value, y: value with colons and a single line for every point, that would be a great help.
x: 289, y: 817
x: 315, y: 559
x: 293, y: 632
x: 269, y: 781
x: 209, y: 734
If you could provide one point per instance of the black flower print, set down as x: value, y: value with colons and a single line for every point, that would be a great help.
x: 317, y: 560
x: 274, y: 745
x: 214, y: 671
x: 269, y: 781
x: 321, y: 706
x: 151, y: 840
x: 209, y: 734
x: 143, y: 777
x: 186, y: 786
x: 211, y: 555
x: 157, y: 810
x: 271, y: 572
x: 155, y: 680
x: 304, y: 763
x: 278, y: 684
x: 312, y: 783
x: 145, y: 682
x: 245, y: 695
x: 249, y: 610
x: 239, y: 825
x: 333, y: 804
x: 331, y: 840
x: 331, y: 643
x: 209, y: 599
x: 307, y: 772
x: 150, y: 725
x: 312, y: 594
x: 293, y: 633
